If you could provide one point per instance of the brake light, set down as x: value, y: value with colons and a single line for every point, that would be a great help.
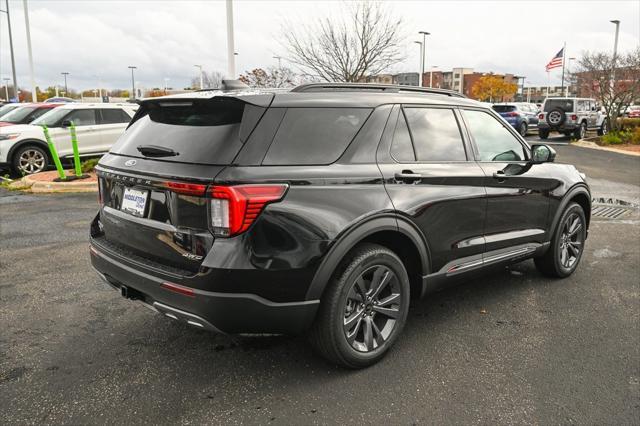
x: 234, y: 208
x: 574, y: 117
x: 513, y: 114
x: 541, y: 116
x: 194, y: 189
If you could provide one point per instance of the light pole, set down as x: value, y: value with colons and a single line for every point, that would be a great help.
x: 6, y: 88
x: 13, y: 60
x: 201, y: 79
x: 420, y: 64
x: 133, y: 82
x: 166, y: 79
x: 65, y: 74
x: 231, y: 58
x: 424, y: 47
x: 279, y: 58
x: 615, y: 54
x: 34, y: 96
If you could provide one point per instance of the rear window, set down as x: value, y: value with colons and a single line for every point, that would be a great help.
x: 314, y: 135
x: 504, y: 108
x: 208, y: 131
x: 564, y: 104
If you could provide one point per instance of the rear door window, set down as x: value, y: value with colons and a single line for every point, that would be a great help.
x: 436, y: 134
x: 314, y: 135
x: 402, y: 148
x: 113, y: 116
x: 82, y: 117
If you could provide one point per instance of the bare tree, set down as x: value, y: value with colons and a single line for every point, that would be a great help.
x: 366, y: 40
x: 594, y: 77
x: 272, y: 77
x: 210, y: 80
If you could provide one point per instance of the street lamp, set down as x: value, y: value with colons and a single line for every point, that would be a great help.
x: 424, y: 46
x: 13, y: 61
x: 201, y: 80
x: 133, y: 82
x: 420, y: 64
x: 279, y: 58
x: 65, y: 74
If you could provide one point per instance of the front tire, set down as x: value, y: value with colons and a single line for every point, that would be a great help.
x: 30, y: 159
x: 544, y: 134
x: 604, y: 129
x: 364, y: 308
x: 567, y: 244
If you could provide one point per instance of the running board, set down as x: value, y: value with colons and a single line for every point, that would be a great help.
x: 463, y: 265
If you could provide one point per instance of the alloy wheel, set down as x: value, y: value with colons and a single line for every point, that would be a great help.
x: 372, y: 308
x: 583, y: 131
x: 31, y: 161
x: 571, y: 241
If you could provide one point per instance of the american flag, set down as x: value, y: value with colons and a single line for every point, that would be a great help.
x: 556, y: 61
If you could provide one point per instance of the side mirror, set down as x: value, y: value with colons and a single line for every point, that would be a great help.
x: 542, y: 154
x: 66, y: 123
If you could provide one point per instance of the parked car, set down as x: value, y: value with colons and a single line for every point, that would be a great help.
x: 633, y: 111
x: 98, y: 126
x: 325, y: 209
x: 571, y: 116
x: 522, y: 116
x: 7, y: 108
x: 26, y: 113
x: 60, y: 99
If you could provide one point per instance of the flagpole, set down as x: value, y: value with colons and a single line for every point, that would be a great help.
x: 564, y: 55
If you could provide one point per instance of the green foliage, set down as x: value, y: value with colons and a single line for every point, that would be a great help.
x: 620, y: 137
x: 88, y: 165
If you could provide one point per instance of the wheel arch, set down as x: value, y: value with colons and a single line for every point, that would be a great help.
x: 37, y: 142
x: 391, y: 231
x: 579, y: 194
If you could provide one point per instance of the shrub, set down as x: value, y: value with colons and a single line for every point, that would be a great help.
x: 612, y: 138
x: 88, y: 165
x: 629, y: 123
x: 635, y: 136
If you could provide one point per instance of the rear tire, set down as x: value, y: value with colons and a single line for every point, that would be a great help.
x: 523, y: 129
x: 544, y: 134
x: 581, y: 132
x: 363, y: 309
x: 567, y: 245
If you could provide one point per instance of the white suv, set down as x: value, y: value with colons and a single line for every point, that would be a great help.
x: 98, y: 126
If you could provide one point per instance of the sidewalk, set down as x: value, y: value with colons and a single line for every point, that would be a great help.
x: 611, y: 148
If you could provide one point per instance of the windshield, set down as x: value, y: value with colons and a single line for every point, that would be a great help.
x: 4, y: 110
x: 564, y: 104
x: 504, y: 108
x: 51, y: 118
x: 18, y: 114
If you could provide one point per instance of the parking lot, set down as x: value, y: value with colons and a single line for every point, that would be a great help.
x: 510, y: 347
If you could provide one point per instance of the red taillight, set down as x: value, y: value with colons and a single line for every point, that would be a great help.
x: 513, y: 114
x: 574, y: 117
x: 234, y: 208
x: 194, y: 189
x: 541, y: 116
x: 185, y: 291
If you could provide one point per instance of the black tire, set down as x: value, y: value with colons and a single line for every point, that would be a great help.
x: 553, y: 263
x: 523, y: 129
x: 543, y: 133
x: 556, y: 117
x: 29, y: 159
x: 342, y: 301
x: 604, y: 128
x: 580, y: 132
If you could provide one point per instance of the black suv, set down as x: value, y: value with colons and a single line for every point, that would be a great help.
x: 325, y: 209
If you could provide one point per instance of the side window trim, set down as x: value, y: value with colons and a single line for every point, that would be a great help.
x: 509, y: 128
x: 461, y: 129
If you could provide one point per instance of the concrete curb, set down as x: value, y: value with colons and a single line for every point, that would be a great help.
x: 36, y: 186
x: 592, y: 145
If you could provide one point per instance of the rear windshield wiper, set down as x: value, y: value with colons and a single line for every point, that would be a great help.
x: 156, y: 151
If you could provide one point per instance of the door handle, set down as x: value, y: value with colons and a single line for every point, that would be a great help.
x: 407, y: 176
x: 500, y: 175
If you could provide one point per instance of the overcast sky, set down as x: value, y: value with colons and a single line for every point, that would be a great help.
x: 94, y: 39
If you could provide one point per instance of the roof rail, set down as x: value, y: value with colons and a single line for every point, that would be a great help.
x: 391, y: 88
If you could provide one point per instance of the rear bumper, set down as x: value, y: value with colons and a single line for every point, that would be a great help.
x: 215, y: 311
x: 561, y: 128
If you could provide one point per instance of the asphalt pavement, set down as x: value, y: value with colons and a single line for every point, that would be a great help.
x: 509, y: 347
